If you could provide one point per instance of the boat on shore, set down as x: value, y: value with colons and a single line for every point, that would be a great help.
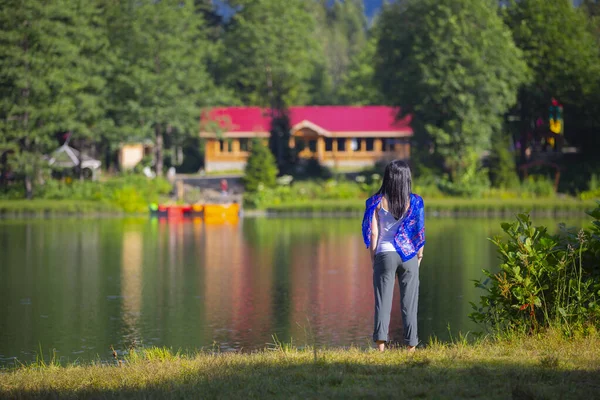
x: 211, y: 212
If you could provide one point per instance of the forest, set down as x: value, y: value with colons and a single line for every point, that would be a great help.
x: 490, y: 85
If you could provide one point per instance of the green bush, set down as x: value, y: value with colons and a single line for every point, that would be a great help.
x: 538, y: 186
x: 590, y: 194
x: 261, y: 168
x: 593, y: 191
x: 54, y: 207
x: 129, y: 193
x: 502, y: 165
x: 470, y: 186
x: 545, y: 281
x: 304, y: 191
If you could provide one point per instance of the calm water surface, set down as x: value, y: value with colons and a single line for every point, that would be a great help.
x: 79, y: 286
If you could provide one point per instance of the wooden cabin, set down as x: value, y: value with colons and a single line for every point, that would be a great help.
x: 336, y: 136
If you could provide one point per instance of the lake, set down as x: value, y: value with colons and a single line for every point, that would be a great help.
x: 81, y: 285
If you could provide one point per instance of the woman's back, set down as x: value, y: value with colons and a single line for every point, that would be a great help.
x: 388, y: 227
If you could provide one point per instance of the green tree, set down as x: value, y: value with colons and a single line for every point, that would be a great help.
x: 592, y: 9
x: 320, y: 85
x: 563, y: 55
x: 341, y: 33
x: 267, y: 52
x: 160, y: 79
x: 261, y: 168
x: 50, y: 79
x: 503, y: 167
x: 453, y: 65
x: 347, y: 36
x: 267, y: 60
x: 359, y: 86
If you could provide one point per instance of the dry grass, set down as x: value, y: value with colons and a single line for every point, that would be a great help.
x: 548, y: 367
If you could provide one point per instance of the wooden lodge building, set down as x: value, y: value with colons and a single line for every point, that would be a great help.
x: 337, y: 136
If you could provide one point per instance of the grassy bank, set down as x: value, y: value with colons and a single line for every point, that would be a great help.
x: 27, y: 208
x: 435, y: 207
x: 113, y: 195
x: 527, y: 368
x: 450, y: 207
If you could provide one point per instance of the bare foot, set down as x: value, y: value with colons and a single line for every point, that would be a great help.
x: 411, y: 349
x: 380, y: 345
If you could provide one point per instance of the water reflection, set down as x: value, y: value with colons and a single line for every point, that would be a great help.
x: 81, y: 286
x: 131, y: 279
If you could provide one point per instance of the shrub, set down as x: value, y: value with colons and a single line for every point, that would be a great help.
x: 593, y: 191
x: 303, y: 191
x: 538, y: 186
x: 312, y: 168
x: 261, y: 169
x: 590, y: 194
x: 594, y: 183
x: 369, y: 183
x: 129, y: 193
x: 471, y: 185
x: 544, y: 280
x: 502, y: 165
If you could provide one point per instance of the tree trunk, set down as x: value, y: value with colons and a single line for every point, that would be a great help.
x: 28, y: 187
x: 158, y: 152
x: 79, y: 168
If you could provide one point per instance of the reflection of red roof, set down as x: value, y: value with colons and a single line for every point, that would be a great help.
x: 329, y: 118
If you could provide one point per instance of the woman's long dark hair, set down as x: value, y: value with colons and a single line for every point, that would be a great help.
x: 396, y: 186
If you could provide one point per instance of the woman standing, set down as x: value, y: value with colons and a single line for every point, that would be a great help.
x: 394, y: 232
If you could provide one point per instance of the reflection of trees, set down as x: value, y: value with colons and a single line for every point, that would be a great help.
x: 320, y: 276
x: 50, y: 285
x: 187, y: 284
x: 455, y: 250
x: 131, y: 279
x: 237, y: 288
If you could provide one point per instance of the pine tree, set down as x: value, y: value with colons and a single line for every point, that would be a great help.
x: 47, y: 83
x: 358, y: 86
x: 261, y: 169
x: 341, y: 32
x: 160, y: 79
x: 267, y: 52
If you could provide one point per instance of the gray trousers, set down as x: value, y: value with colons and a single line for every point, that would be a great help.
x: 385, y: 268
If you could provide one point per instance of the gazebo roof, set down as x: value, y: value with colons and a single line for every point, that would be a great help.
x: 67, y: 157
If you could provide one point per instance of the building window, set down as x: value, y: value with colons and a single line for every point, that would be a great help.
x: 312, y: 146
x: 370, y: 144
x: 356, y: 144
x: 225, y: 146
x: 341, y: 144
x: 387, y: 145
x: 328, y: 144
x: 244, y: 144
x: 300, y: 144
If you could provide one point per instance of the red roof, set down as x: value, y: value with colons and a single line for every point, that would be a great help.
x: 240, y: 119
x: 329, y: 118
x: 351, y: 119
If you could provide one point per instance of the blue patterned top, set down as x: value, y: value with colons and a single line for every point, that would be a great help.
x: 411, y: 231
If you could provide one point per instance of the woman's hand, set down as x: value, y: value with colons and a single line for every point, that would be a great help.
x: 420, y: 256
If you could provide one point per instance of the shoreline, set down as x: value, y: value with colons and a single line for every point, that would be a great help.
x: 435, y: 208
